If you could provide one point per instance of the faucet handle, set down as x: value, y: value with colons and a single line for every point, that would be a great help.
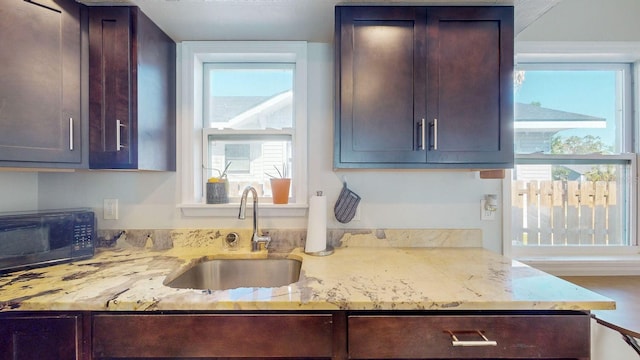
x: 266, y: 239
x: 261, y: 242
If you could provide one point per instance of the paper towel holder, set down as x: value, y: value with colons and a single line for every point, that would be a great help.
x: 328, y: 250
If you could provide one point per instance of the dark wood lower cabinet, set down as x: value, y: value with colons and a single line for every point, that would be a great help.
x: 40, y: 336
x: 468, y: 337
x: 212, y: 336
x: 296, y: 335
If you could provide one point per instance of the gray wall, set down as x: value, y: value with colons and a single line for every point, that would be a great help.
x: 390, y: 199
x: 423, y: 199
x: 18, y: 191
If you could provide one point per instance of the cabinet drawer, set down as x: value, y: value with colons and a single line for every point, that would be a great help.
x: 207, y: 335
x: 517, y: 336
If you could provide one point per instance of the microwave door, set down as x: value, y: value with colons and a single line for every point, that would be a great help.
x: 22, y: 239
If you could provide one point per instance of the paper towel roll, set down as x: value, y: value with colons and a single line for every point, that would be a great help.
x: 317, y: 224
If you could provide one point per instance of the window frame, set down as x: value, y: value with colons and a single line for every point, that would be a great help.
x: 192, y: 56
x: 596, y: 259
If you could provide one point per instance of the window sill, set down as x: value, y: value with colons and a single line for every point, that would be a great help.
x: 231, y: 210
x: 605, y: 265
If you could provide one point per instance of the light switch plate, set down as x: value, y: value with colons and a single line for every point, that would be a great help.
x: 110, y: 209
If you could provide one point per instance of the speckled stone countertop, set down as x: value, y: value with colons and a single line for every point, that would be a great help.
x: 357, y: 276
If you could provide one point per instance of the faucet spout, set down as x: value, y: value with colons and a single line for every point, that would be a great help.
x: 257, y: 238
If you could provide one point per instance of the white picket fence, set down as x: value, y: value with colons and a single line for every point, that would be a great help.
x: 565, y: 213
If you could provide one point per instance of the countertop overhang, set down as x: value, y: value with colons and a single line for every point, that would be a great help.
x: 353, y: 278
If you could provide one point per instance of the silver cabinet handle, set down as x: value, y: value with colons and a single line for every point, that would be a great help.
x: 424, y: 136
x: 71, y: 134
x: 483, y: 342
x: 119, y: 125
x: 435, y: 134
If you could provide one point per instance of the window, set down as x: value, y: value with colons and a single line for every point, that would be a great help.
x: 246, y: 112
x: 573, y: 189
x: 248, y: 123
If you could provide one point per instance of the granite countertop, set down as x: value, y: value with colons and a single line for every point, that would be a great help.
x: 625, y: 290
x: 353, y: 278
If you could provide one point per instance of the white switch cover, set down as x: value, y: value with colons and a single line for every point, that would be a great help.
x: 110, y: 209
x: 486, y: 214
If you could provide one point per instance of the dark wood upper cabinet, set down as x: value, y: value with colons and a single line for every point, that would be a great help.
x: 40, y: 82
x: 424, y: 87
x: 132, y: 71
x: 470, y: 85
x: 381, y: 59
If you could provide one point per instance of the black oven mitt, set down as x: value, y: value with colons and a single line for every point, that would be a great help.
x: 345, y: 208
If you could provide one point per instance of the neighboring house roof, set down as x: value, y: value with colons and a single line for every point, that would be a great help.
x: 225, y: 108
x: 236, y: 111
x: 537, y: 118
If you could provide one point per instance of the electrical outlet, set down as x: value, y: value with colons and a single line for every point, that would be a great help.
x: 110, y: 209
x: 486, y: 214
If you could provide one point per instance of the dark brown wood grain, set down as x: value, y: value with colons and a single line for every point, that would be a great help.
x: 181, y: 336
x: 40, y: 82
x: 334, y: 335
x: 443, y: 71
x: 470, y: 61
x: 42, y: 337
x: 426, y: 337
x: 132, y: 79
x: 381, y: 83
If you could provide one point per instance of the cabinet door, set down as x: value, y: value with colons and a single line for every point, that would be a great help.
x: 110, y: 113
x: 40, y: 81
x: 470, y: 91
x: 178, y: 336
x: 379, y: 94
x: 39, y: 337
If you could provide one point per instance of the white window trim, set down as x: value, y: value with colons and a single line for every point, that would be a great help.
x: 191, y: 57
x: 624, y: 260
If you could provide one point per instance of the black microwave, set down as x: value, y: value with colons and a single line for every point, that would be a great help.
x: 41, y: 238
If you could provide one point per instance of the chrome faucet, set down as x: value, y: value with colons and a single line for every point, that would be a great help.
x: 256, y: 238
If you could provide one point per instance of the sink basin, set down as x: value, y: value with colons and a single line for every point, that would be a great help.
x: 222, y: 274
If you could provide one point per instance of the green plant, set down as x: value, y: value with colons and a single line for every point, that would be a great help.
x: 282, y: 175
x: 223, y: 174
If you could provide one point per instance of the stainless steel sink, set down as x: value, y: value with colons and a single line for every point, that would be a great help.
x: 222, y: 274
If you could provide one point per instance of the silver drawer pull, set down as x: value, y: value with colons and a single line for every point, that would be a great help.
x: 483, y: 342
x: 119, y: 126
